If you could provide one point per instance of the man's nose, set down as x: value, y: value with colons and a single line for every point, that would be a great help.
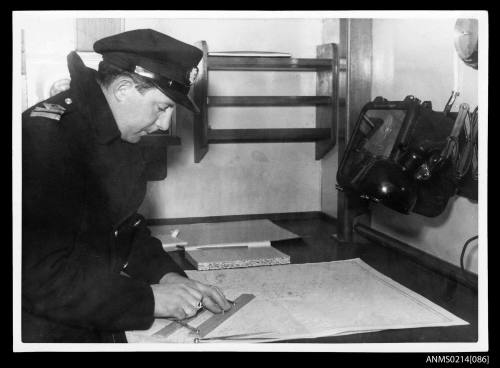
x: 162, y: 124
x: 164, y: 120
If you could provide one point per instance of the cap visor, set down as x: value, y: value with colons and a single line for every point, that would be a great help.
x: 180, y: 98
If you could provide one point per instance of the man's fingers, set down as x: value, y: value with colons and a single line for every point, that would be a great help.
x: 188, y: 300
x: 176, y: 300
x: 216, y: 296
x: 190, y: 311
x: 211, y: 305
x: 192, y: 303
x: 179, y: 313
x: 195, y: 293
x: 221, y: 298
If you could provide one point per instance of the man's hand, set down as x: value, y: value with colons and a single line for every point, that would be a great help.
x: 184, y: 290
x: 175, y: 300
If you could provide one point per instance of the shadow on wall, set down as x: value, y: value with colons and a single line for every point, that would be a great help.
x: 179, y: 156
x: 401, y: 226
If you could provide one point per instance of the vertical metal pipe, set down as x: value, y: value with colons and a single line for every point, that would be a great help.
x: 356, y: 47
x: 344, y: 223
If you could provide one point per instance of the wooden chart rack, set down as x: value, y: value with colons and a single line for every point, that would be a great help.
x: 327, y: 101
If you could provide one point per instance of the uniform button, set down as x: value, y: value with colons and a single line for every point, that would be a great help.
x: 125, y: 265
x: 137, y: 222
x: 116, y: 233
x: 68, y: 101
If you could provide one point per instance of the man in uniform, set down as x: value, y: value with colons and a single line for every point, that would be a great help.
x: 90, y: 268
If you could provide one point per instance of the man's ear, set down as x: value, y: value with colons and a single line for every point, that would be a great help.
x: 122, y: 87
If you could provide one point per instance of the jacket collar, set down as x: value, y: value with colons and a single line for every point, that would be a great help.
x: 91, y: 101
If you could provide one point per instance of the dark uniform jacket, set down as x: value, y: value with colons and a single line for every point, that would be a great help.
x: 82, y: 186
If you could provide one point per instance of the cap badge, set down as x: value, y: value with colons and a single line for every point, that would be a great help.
x: 193, y: 74
x: 145, y: 73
